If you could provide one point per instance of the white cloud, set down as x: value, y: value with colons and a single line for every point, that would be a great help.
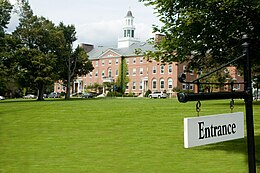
x: 106, y: 33
x: 95, y: 23
x: 103, y: 33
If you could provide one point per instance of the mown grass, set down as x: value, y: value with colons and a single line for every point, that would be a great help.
x: 113, y: 135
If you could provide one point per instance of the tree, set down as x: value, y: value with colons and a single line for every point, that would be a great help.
x: 122, y: 78
x: 202, y: 27
x: 36, y: 54
x: 71, y: 62
x: 5, y: 11
x: 5, y: 64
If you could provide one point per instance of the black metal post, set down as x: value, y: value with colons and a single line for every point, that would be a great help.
x: 249, y: 109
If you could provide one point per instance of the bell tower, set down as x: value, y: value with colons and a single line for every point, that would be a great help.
x: 129, y: 32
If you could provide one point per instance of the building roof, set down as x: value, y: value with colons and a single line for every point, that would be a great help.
x: 132, y: 50
x: 129, y: 14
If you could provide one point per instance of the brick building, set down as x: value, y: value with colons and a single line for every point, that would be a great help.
x: 143, y: 75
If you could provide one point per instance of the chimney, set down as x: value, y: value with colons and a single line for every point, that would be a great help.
x: 87, y: 47
x: 158, y: 38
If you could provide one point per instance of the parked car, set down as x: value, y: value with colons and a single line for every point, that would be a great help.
x: 2, y: 97
x: 87, y: 95
x: 29, y: 96
x: 54, y: 95
x: 158, y: 95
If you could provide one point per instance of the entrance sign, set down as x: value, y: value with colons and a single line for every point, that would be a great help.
x: 212, y: 129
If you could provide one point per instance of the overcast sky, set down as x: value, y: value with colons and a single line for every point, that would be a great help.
x: 98, y: 22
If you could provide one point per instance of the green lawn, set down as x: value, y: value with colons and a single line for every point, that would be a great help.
x: 113, y: 135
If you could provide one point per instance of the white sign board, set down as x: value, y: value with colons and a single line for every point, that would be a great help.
x: 212, y: 129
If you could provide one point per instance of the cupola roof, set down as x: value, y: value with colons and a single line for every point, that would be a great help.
x: 129, y: 14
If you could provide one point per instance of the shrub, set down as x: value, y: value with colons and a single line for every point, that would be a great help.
x: 147, y: 93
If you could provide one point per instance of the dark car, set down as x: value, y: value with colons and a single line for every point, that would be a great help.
x: 87, y: 95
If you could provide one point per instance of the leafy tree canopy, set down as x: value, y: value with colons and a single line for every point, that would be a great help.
x: 36, y: 53
x: 5, y: 14
x: 71, y: 63
x: 201, y: 27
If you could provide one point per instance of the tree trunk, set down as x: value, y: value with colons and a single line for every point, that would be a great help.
x: 67, y: 95
x: 40, y: 92
x: 68, y: 90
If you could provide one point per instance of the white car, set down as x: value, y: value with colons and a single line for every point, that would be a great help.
x: 2, y: 97
x: 158, y: 95
x: 29, y: 96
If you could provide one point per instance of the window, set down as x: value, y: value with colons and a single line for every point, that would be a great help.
x: 191, y: 86
x: 116, y: 72
x: 110, y: 61
x: 141, y: 71
x: 162, y: 69
x: 90, y: 74
x: 184, y: 68
x: 127, y: 61
x: 134, y: 71
x: 141, y: 59
x: 96, y: 74
x: 154, y: 69
x: 141, y: 85
x: 127, y: 86
x: 170, y: 69
x: 127, y: 72
x: 154, y: 83
x: 134, y: 85
x: 103, y: 73
x: 162, y: 84
x: 96, y: 63
x: 116, y: 61
x: 134, y: 60
x: 103, y: 62
x: 170, y: 83
x: 109, y: 72
x: 184, y: 86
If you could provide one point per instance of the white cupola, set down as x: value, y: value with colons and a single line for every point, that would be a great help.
x: 129, y: 32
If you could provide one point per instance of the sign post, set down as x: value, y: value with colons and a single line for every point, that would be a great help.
x: 249, y: 110
x: 246, y: 95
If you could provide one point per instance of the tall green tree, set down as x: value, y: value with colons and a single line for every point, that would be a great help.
x: 5, y: 65
x: 122, y: 78
x: 5, y: 15
x: 201, y: 27
x: 72, y: 62
x: 39, y: 42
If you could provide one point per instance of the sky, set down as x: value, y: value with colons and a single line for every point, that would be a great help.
x: 97, y: 22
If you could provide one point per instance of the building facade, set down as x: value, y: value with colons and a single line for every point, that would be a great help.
x: 143, y: 74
